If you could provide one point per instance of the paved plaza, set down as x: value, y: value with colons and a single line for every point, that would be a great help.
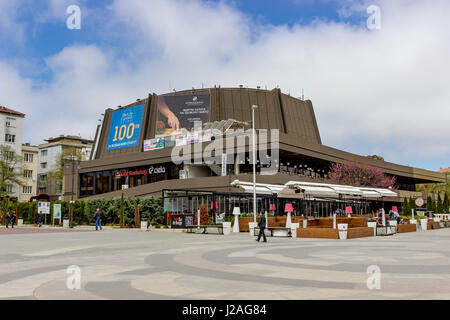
x: 130, y: 264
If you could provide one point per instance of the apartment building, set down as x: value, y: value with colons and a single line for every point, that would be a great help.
x: 49, y: 161
x: 30, y: 160
x: 11, y: 125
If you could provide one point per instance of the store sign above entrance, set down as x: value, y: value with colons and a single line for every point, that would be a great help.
x: 125, y: 129
x: 151, y: 170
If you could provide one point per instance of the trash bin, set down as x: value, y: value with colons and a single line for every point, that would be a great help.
x: 20, y: 222
x: 374, y: 226
x: 144, y: 225
x: 423, y: 224
x: 66, y: 223
x: 226, y: 228
x: 294, y: 227
x: 343, y: 228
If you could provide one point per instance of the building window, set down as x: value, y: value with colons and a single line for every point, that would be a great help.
x: 27, y: 190
x: 28, y: 157
x: 43, y: 178
x: 11, y: 170
x: 28, y: 173
x: 43, y: 190
x: 10, y: 138
x: 11, y: 122
x: 9, y: 188
x: 9, y: 155
x: 44, y: 165
x: 44, y: 153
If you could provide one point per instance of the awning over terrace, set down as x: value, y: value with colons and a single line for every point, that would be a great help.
x: 298, y: 189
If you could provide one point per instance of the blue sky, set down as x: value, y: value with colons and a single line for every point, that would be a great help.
x: 368, y: 87
x: 45, y: 37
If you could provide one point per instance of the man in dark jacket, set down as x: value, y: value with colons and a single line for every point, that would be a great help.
x: 98, y: 219
x: 262, y: 226
x: 7, y: 219
x: 40, y: 218
x: 13, y: 220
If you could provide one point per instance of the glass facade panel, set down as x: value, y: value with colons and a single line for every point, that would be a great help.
x: 101, y: 182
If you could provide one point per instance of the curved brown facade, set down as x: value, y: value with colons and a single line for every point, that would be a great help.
x: 299, y: 141
x: 291, y: 116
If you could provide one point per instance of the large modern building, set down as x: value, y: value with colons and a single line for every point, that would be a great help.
x: 11, y: 123
x: 49, y: 161
x: 134, y: 152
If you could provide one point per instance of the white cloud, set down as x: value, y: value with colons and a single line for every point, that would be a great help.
x: 382, y: 91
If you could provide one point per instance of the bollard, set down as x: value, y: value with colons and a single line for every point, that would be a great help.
x: 252, y: 226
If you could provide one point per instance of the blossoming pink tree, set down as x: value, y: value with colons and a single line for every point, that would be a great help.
x: 358, y: 174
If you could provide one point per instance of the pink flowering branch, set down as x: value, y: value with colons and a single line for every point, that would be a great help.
x: 358, y: 174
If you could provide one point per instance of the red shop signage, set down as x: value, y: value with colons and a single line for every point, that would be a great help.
x: 133, y: 173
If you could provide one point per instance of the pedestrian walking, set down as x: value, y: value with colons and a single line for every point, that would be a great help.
x: 40, y: 216
x: 7, y: 219
x: 98, y: 219
x: 262, y: 226
x: 13, y: 220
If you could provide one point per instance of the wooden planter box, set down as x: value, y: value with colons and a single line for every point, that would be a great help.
x: 402, y: 228
x: 328, y: 222
x: 271, y: 221
x: 359, y: 232
x: 324, y: 233
x: 433, y: 225
x: 243, y: 223
x: 330, y: 233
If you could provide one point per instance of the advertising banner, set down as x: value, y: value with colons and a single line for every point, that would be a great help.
x: 154, y: 144
x: 57, y: 211
x: 182, y: 221
x: 178, y: 113
x: 125, y: 129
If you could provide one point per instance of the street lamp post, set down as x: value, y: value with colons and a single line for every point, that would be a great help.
x: 254, y: 107
x: 73, y: 182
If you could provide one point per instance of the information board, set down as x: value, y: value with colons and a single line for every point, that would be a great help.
x: 44, y: 207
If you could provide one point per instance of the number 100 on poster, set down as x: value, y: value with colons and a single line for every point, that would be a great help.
x: 125, y: 129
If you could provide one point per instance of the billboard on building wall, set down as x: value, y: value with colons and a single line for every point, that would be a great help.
x: 177, y: 113
x: 125, y: 128
x: 153, y: 144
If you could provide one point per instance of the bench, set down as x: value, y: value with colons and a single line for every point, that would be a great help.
x: 276, y: 231
x: 205, y: 228
x: 386, y: 230
x: 279, y: 231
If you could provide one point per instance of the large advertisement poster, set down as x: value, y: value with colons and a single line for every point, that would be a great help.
x: 125, y: 129
x: 153, y: 144
x: 177, y: 113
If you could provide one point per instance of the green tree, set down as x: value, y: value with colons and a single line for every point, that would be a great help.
x: 446, y: 203
x: 405, y: 208
x: 67, y: 158
x: 429, y: 203
x: 122, y: 208
x: 439, y: 205
x: 9, y: 175
x: 433, y: 204
x: 412, y: 205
